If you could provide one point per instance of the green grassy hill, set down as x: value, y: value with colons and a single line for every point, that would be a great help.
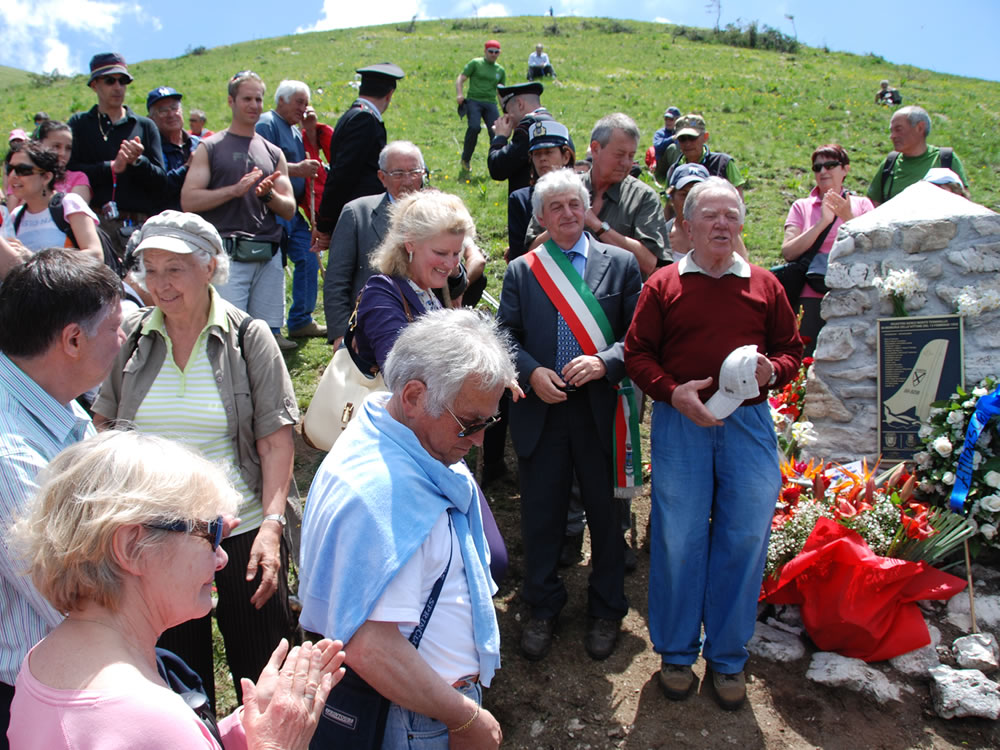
x: 768, y: 109
x: 13, y: 77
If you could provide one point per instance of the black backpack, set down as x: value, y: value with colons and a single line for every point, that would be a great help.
x: 944, y: 159
x: 59, y: 219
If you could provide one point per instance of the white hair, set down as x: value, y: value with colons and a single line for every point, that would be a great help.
x: 560, y: 181
x: 444, y: 348
x: 289, y: 88
x: 712, y: 185
x: 399, y: 147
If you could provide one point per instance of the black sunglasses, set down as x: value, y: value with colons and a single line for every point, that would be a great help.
x: 210, y: 530
x: 821, y: 165
x: 686, y: 138
x: 472, y: 429
x: 120, y: 80
x: 24, y: 170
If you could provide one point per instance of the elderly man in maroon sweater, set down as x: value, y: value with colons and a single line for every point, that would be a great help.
x: 715, y: 481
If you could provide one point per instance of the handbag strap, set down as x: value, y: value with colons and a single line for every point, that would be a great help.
x: 807, y: 257
x: 352, y: 324
x: 425, y: 616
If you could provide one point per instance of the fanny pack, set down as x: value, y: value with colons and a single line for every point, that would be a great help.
x: 249, y: 251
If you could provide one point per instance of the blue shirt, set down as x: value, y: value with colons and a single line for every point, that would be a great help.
x: 273, y: 128
x: 34, y: 427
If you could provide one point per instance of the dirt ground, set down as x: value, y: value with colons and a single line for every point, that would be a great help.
x: 568, y: 701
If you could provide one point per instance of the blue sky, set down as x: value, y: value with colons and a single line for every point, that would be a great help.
x: 954, y: 37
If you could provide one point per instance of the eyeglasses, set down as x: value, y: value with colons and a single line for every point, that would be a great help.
x: 821, y: 165
x: 492, y: 51
x: 472, y: 429
x: 120, y: 80
x: 398, y: 174
x: 173, y: 106
x: 210, y: 530
x: 24, y: 170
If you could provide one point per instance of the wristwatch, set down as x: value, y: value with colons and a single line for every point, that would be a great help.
x: 774, y: 376
x: 604, y: 228
x: 266, y: 197
x: 279, y: 517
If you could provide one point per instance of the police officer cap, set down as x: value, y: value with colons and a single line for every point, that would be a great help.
x: 548, y: 134
x: 384, y: 73
x: 506, y: 93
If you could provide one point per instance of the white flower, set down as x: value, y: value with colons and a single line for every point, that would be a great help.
x: 990, y: 503
x: 925, y: 431
x: 988, y: 530
x: 943, y: 446
x: 935, y: 411
x: 977, y: 458
x: 948, y: 478
x: 979, y: 391
x: 956, y: 418
x: 804, y: 434
x: 923, y: 459
x: 992, y: 478
x: 902, y: 283
x: 926, y: 487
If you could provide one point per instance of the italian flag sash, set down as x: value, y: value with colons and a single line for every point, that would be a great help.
x: 575, y: 301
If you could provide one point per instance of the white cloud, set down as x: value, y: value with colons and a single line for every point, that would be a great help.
x: 493, y: 10
x: 32, y: 31
x: 662, y: 19
x: 337, y: 14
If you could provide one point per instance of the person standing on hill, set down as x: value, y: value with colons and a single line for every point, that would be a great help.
x: 484, y: 75
x: 163, y: 105
x: 508, y: 158
x: 238, y: 181
x: 357, y: 141
x: 912, y: 157
x: 291, y: 99
x: 119, y: 151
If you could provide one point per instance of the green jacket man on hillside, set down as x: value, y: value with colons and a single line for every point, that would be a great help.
x: 483, y: 75
x: 912, y: 157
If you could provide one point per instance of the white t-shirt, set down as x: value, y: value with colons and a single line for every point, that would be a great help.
x: 38, y: 231
x: 448, y: 644
x: 538, y: 61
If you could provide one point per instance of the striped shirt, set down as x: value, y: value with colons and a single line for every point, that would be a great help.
x: 185, y: 405
x: 34, y: 427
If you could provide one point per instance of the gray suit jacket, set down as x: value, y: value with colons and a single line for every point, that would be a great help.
x: 525, y: 310
x: 360, y: 229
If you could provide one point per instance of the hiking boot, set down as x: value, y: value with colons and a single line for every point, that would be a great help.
x: 536, y: 639
x: 311, y: 330
x: 677, y: 681
x: 602, y: 635
x: 284, y: 344
x: 730, y: 689
x: 466, y: 166
x: 572, y: 551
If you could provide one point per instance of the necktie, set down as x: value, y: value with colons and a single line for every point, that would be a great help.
x: 567, y: 347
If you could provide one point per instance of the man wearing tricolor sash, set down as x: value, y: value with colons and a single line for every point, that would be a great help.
x: 568, y: 304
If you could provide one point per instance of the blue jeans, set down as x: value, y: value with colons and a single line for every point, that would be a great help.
x: 713, y: 496
x: 476, y: 111
x: 304, y: 278
x: 406, y: 730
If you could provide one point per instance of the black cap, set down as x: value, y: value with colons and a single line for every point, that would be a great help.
x: 107, y: 64
x: 163, y: 92
x: 385, y: 74
x: 506, y: 93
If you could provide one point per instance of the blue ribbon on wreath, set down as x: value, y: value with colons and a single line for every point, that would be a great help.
x: 987, y: 407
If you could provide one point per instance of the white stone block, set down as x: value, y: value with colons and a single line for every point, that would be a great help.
x: 832, y: 669
x: 977, y: 651
x: 774, y: 644
x: 958, y: 693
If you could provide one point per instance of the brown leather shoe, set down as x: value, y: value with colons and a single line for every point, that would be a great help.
x: 536, y: 638
x: 312, y: 329
x: 730, y: 690
x: 677, y: 681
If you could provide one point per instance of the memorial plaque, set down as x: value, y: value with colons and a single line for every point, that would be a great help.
x: 920, y: 361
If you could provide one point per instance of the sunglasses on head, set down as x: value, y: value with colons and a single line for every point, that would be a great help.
x: 120, y: 80
x: 472, y: 429
x: 24, y: 170
x: 821, y: 165
x: 210, y: 530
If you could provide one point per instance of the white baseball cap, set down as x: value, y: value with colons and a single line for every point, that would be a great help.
x: 737, y: 382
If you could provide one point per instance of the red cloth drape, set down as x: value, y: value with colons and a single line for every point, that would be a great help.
x: 855, y: 602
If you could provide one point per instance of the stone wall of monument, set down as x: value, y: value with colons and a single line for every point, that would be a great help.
x: 953, y: 245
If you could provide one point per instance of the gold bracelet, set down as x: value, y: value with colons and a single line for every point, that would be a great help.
x: 467, y: 724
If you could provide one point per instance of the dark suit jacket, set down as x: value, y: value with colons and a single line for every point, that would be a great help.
x: 525, y: 310
x: 357, y: 141
x: 361, y: 226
